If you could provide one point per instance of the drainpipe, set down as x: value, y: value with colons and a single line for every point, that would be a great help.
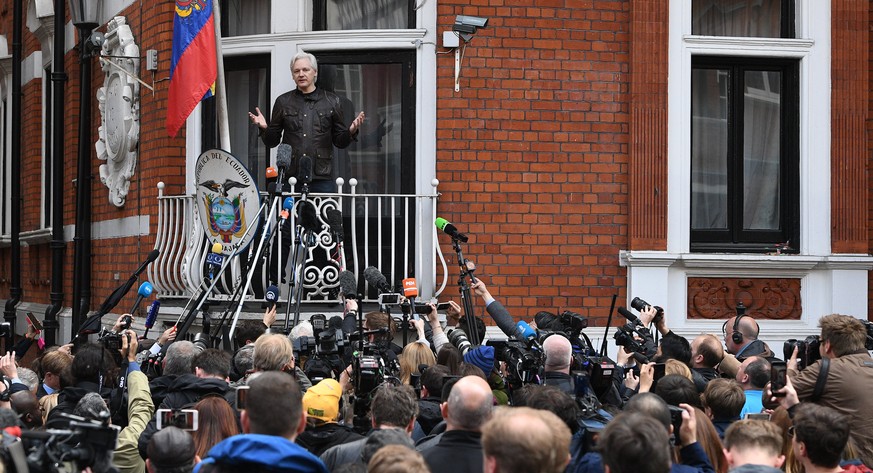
x: 58, y: 78
x: 15, y: 290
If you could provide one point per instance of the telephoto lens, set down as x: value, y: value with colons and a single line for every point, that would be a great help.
x: 458, y: 338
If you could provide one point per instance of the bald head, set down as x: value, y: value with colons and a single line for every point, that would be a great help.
x: 558, y: 352
x: 469, y: 404
x: 747, y: 326
x: 706, y: 351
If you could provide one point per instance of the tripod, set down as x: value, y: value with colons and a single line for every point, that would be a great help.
x: 303, y: 239
x: 467, y: 269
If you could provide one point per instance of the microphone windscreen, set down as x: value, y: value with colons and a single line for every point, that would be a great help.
x: 271, y: 296
x: 308, y: 217
x: 410, y: 288
x: 272, y: 173
x: 152, y: 256
x: 376, y: 279
x: 440, y: 223
x: 629, y: 316
x: 288, y: 204
x: 525, y: 331
x: 335, y: 221
x: 305, y: 171
x: 145, y: 289
x: 152, y: 314
x: 335, y: 322
x: 217, y: 248
x: 348, y: 285
x: 283, y: 156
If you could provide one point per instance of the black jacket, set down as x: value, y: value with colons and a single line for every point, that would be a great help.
x: 319, y: 438
x: 312, y: 124
x: 429, y: 414
x: 459, y: 451
x: 702, y: 377
x: 69, y: 396
x: 181, y: 392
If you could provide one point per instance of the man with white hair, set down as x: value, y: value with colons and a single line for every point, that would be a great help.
x: 559, y: 356
x: 310, y: 119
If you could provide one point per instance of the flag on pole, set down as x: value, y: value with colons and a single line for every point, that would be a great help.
x: 195, y: 64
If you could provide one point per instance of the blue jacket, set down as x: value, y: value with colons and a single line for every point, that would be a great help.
x: 694, y: 460
x: 264, y: 451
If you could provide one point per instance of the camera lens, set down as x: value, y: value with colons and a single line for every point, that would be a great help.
x: 638, y: 304
x: 458, y: 338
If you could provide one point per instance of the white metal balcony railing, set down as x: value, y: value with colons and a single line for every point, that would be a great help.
x: 382, y: 230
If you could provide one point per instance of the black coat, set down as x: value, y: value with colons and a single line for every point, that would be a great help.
x: 320, y: 438
x: 458, y: 451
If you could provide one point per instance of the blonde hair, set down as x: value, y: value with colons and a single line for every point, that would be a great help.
x: 672, y: 366
x: 413, y: 355
x: 273, y: 352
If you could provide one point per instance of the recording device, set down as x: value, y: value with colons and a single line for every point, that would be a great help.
x: 630, y: 316
x: 335, y: 222
x: 83, y: 444
x: 34, y: 321
x: 522, y: 363
x: 185, y: 419
x: 757, y: 416
x: 348, y: 285
x: 444, y: 306
x: 271, y: 296
x: 308, y: 216
x: 151, y: 317
x: 240, y: 397
x: 626, y: 336
x: 778, y: 372
x: 458, y: 338
x: 389, y: 299
x: 676, y: 421
x: 422, y: 309
x: 450, y: 230
x: 659, y: 370
x: 807, y: 350
x: 304, y: 173
x: 640, y: 305
x: 145, y: 290
x: 214, y: 259
x: 376, y: 279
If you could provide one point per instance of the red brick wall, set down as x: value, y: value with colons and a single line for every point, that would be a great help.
x: 532, y: 152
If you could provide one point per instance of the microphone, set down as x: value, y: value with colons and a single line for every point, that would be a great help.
x: 271, y: 173
x: 215, y: 259
x: 151, y: 317
x: 629, y: 316
x: 523, y: 331
x: 348, y: 285
x: 308, y: 217
x: 410, y: 288
x: 304, y: 173
x: 376, y: 279
x: 145, y: 290
x: 283, y: 158
x: 450, y: 230
x: 271, y: 296
x: 335, y: 221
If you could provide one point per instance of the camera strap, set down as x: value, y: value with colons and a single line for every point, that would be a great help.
x: 822, y: 379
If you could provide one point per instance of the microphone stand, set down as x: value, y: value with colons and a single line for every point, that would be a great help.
x: 266, y: 236
x: 204, y: 292
x: 472, y: 333
x: 295, y: 282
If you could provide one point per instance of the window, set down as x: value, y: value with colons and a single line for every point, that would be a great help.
x: 744, y: 154
x: 244, y: 17
x: 362, y: 14
x: 748, y: 18
x: 247, y: 79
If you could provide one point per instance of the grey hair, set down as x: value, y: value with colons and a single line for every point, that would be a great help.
x: 179, y: 358
x: 29, y: 378
x: 92, y: 407
x: 303, y: 329
x: 305, y: 55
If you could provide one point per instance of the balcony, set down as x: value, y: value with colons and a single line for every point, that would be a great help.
x: 394, y: 233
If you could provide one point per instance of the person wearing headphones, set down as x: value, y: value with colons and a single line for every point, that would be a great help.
x: 741, y: 341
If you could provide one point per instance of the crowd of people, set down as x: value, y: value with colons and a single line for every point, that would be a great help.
x: 361, y: 403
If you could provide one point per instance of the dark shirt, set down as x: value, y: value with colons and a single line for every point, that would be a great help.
x: 312, y: 124
x: 702, y: 377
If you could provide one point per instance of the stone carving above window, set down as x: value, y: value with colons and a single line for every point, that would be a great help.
x: 119, y: 110
x: 764, y: 298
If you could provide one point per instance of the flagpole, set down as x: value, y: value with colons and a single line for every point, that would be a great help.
x: 220, y: 90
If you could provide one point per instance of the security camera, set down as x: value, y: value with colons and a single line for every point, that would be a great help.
x: 95, y: 42
x: 469, y: 24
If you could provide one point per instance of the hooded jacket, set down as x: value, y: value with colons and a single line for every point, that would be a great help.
x: 319, y: 438
x: 255, y: 451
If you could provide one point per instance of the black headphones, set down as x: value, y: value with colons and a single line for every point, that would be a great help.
x: 736, y: 335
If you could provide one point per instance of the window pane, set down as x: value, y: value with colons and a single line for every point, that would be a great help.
x: 749, y: 18
x: 762, y: 125
x: 365, y: 14
x: 244, y: 17
x: 709, y: 149
x: 377, y: 89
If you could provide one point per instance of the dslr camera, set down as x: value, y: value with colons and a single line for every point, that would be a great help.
x: 640, y: 305
x: 807, y: 350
